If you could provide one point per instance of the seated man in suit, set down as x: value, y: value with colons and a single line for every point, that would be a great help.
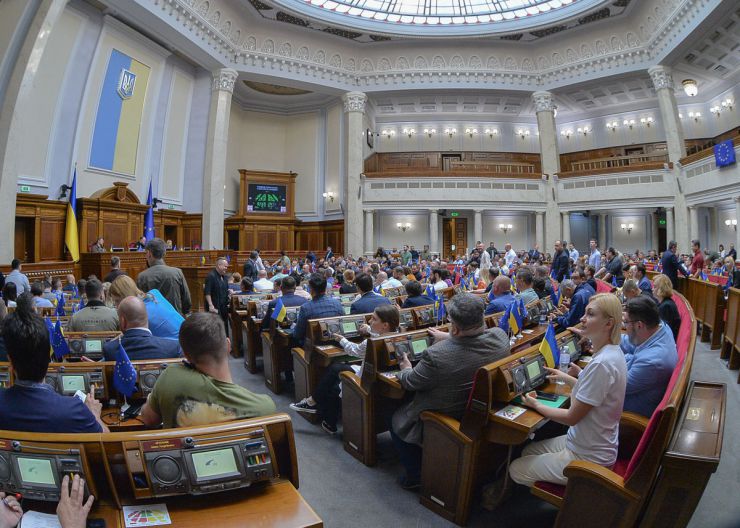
x: 442, y: 379
x: 415, y: 297
x: 368, y: 298
x: 137, y: 339
x: 502, y: 295
x: 579, y: 292
x: 30, y: 404
x: 202, y: 391
x: 289, y: 297
x: 320, y: 305
x: 639, y: 273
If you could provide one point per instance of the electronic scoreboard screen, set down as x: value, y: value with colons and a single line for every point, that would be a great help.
x: 266, y: 198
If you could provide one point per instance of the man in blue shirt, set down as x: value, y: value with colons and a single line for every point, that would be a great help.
x: 319, y: 306
x: 650, y: 353
x: 30, y: 404
x: 639, y: 273
x: 502, y: 296
x: 19, y: 279
x: 594, y: 259
x: 368, y: 298
x: 578, y: 290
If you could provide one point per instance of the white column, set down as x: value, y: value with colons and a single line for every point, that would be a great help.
x: 477, y: 226
x: 670, y: 232
x: 694, y: 223
x: 544, y: 106
x: 433, y: 232
x: 737, y: 217
x: 24, y: 50
x: 354, y: 108
x: 712, y: 236
x: 654, y: 232
x: 369, y: 236
x: 566, y: 226
x: 663, y: 83
x: 602, y: 232
x: 539, y: 227
x: 214, y: 177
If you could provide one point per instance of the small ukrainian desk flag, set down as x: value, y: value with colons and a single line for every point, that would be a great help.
x: 279, y: 312
x: 549, y: 348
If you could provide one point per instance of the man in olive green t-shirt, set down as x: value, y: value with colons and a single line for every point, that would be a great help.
x: 202, y: 392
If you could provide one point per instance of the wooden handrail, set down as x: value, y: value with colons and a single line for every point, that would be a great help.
x: 706, y: 153
x: 460, y: 173
x: 618, y: 161
x: 658, y: 165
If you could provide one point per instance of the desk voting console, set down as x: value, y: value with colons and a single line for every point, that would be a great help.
x: 229, y: 474
x: 457, y: 455
x: 88, y: 344
x: 320, y: 350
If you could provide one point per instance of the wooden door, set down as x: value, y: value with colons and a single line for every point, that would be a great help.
x: 454, y: 231
x: 24, y: 239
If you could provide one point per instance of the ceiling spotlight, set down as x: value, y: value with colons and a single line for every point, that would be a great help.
x: 430, y: 131
x: 409, y: 131
x: 471, y: 131
x: 491, y: 132
x: 690, y: 87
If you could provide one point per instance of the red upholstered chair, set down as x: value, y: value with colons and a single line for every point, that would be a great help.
x: 603, y: 286
x: 597, y: 496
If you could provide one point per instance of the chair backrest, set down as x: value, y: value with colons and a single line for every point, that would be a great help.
x: 603, y: 286
x: 643, y: 464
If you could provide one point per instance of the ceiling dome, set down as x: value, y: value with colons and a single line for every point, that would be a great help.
x: 440, y: 18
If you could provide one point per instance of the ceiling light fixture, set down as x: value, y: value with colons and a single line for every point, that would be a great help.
x: 690, y: 87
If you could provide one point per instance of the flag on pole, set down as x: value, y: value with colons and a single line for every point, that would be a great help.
x: 503, y: 323
x: 59, y: 312
x: 59, y: 344
x: 555, y: 296
x: 515, y: 320
x: 549, y: 347
x: 279, y: 312
x: 149, y: 216
x: 50, y: 328
x: 124, y: 373
x: 441, y: 311
x: 71, y: 235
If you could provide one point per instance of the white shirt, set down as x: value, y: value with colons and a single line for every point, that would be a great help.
x: 264, y: 284
x: 441, y: 285
x: 392, y: 282
x: 602, y: 384
x: 510, y: 257
x: 485, y: 260
x: 260, y: 265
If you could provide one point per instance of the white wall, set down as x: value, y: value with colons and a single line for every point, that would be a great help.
x: 389, y: 236
x: 334, y: 166
x: 521, y: 235
x: 637, y: 239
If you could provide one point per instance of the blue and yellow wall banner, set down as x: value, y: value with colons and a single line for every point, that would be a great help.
x: 118, y: 121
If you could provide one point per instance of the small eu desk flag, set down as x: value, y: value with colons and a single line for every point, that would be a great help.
x: 124, y: 373
x: 58, y: 343
x: 724, y: 153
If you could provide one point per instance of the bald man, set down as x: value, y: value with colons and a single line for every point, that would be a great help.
x: 502, y: 295
x: 137, y: 340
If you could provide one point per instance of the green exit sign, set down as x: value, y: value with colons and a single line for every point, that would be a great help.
x: 454, y: 213
x: 170, y: 206
x: 662, y: 221
x: 26, y: 188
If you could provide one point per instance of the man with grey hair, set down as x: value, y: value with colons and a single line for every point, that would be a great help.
x: 443, y: 377
x: 579, y: 295
x: 168, y: 280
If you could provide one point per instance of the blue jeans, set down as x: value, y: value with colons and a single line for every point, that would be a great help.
x: 410, y: 456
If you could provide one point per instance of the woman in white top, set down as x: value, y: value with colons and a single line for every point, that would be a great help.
x: 326, y: 400
x: 596, y: 403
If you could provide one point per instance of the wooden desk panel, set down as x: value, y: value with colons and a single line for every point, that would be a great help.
x: 275, y: 505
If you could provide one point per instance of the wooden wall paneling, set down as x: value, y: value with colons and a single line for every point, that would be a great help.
x: 52, y: 239
x: 37, y: 217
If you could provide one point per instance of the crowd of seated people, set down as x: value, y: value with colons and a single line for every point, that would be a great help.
x: 153, y: 312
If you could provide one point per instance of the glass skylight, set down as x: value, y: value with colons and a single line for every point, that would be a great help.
x: 439, y: 16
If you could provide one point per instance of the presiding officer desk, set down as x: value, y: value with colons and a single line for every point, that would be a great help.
x: 231, y: 474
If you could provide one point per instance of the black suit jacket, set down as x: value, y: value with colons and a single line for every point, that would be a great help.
x: 140, y: 344
x: 671, y: 267
x: 367, y: 303
x: 419, y: 300
x: 561, y: 266
x: 250, y: 270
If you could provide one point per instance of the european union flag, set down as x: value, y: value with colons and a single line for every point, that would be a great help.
x: 50, y: 328
x: 441, y: 311
x: 522, y: 310
x: 59, y: 344
x: 614, y: 281
x: 724, y: 153
x: 149, y: 216
x: 59, y: 312
x: 555, y: 296
x: 124, y: 373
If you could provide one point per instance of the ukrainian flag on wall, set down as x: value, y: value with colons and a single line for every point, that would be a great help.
x: 118, y: 122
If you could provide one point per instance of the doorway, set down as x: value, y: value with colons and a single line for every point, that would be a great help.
x: 454, y: 232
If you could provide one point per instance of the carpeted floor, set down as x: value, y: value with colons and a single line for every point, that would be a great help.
x: 346, y: 493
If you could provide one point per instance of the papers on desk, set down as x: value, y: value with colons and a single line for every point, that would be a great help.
x: 146, y: 515
x: 511, y: 412
x: 527, y: 331
x: 34, y: 519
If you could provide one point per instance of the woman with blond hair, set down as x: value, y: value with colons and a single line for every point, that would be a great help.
x: 597, y: 399
x: 164, y: 320
x: 663, y: 291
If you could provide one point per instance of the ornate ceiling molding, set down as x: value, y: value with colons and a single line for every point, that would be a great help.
x: 604, y: 54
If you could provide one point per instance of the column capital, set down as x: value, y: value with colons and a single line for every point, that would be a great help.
x: 539, y: 213
x: 661, y: 77
x: 354, y: 101
x: 543, y: 101
x: 478, y: 211
x: 434, y: 211
x: 692, y: 208
x: 737, y: 199
x: 224, y: 79
x: 369, y: 211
